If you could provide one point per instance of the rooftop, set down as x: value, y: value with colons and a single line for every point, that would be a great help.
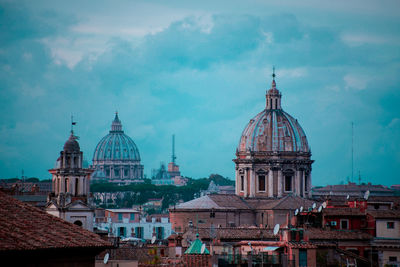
x: 24, y: 227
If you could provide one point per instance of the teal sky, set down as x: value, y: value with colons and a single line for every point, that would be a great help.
x: 199, y: 69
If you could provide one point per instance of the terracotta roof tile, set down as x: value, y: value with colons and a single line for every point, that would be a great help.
x: 387, y: 214
x: 343, y: 212
x: 24, y: 227
x: 322, y: 234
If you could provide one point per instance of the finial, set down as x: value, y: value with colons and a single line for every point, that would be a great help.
x: 72, y: 124
x: 273, y: 73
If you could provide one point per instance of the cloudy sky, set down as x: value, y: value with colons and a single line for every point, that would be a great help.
x: 199, y: 70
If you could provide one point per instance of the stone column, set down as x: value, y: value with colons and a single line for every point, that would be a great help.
x: 245, y: 182
x: 237, y: 184
x: 270, y: 183
x: 303, y: 177
x: 297, y: 182
x: 280, y: 190
x: 309, y: 184
x: 252, y: 183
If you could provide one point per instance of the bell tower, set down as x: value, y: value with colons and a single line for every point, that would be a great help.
x: 70, y: 198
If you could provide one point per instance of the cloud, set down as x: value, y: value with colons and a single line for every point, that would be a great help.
x: 199, y: 75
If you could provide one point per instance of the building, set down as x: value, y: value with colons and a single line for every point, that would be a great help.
x: 273, y: 158
x: 116, y: 158
x: 217, y: 210
x: 70, y: 198
x: 32, y: 237
x: 161, y: 176
x: 130, y: 223
x: 218, y: 189
x: 352, y: 190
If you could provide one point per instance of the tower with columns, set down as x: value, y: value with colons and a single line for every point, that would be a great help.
x: 70, y: 197
x: 273, y: 158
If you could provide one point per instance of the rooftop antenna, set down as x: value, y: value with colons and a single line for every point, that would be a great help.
x: 352, y: 151
x: 359, y: 177
x: 173, y: 149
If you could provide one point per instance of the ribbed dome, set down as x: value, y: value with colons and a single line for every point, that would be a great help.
x: 116, y: 145
x: 273, y: 129
x: 72, y: 144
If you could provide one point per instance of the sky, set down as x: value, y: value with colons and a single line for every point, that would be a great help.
x: 200, y: 70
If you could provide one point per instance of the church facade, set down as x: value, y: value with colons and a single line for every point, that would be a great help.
x: 70, y: 198
x: 273, y: 158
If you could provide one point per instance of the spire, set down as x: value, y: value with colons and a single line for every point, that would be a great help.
x: 116, y: 125
x: 273, y: 85
x: 173, y: 149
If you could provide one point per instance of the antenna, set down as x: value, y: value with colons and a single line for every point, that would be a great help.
x: 276, y: 229
x: 301, y: 209
x: 173, y: 149
x: 153, y: 239
x: 324, y: 205
x: 348, y: 196
x: 352, y: 151
x: 106, y: 257
x: 296, y: 212
x: 314, y: 205
x: 359, y: 177
x: 319, y: 208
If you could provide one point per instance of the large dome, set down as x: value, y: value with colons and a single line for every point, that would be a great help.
x: 273, y: 129
x: 116, y: 145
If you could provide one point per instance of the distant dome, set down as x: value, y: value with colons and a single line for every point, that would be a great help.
x: 273, y: 129
x: 72, y: 144
x: 117, y: 157
x: 116, y: 145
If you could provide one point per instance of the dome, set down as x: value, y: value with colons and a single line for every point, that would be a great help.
x: 273, y: 129
x: 71, y: 144
x: 116, y: 145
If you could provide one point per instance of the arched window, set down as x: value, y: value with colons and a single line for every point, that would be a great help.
x: 76, y: 162
x: 78, y: 222
x: 270, y: 103
x: 276, y: 103
x: 242, y: 183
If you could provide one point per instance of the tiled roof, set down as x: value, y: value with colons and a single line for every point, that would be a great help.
x: 23, y: 227
x: 353, y: 187
x: 385, y: 214
x: 288, y: 202
x: 235, y: 233
x: 343, y: 212
x: 217, y: 201
x: 322, y: 234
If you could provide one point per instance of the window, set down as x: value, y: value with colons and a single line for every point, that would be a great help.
x: 66, y: 184
x: 276, y: 103
x: 261, y: 183
x: 116, y: 172
x: 288, y: 183
x: 132, y: 218
x: 120, y: 217
x: 393, y: 258
x: 121, y: 231
x: 79, y: 223
x: 242, y: 183
x: 76, y: 186
x: 390, y: 225
x: 126, y: 172
x: 139, y: 232
x: 160, y: 233
x: 344, y: 224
